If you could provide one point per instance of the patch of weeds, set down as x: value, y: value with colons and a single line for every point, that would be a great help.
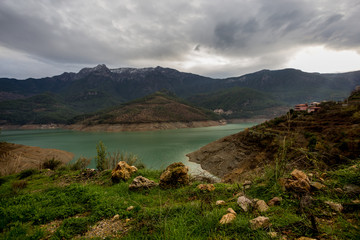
x: 347, y: 174
x: 72, y: 227
x: 80, y: 164
x: 18, y: 185
x: 22, y: 231
x: 27, y: 173
x: 51, y: 164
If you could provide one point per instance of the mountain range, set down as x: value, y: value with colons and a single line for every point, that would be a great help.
x: 92, y: 89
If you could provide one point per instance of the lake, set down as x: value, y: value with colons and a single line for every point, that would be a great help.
x: 156, y: 149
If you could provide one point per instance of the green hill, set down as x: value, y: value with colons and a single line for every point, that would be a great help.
x: 242, y: 102
x: 39, y: 109
x: 155, y: 108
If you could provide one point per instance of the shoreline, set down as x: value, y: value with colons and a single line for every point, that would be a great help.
x: 132, y: 127
x: 17, y: 157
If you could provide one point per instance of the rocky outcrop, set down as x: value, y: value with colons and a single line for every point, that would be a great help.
x: 175, y: 175
x: 230, y: 158
x: 122, y: 172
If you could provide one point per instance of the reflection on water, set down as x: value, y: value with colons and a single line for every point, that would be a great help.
x: 156, y: 149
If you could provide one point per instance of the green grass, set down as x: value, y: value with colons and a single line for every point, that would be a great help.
x: 183, y: 213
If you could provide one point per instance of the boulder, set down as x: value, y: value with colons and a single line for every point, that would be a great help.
x: 275, y: 201
x: 259, y: 222
x: 206, y: 187
x: 220, y: 202
x: 122, y: 172
x: 244, y: 203
x: 141, y: 182
x: 175, y: 175
x: 261, y: 206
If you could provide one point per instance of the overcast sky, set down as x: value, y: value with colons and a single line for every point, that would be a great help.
x: 216, y: 38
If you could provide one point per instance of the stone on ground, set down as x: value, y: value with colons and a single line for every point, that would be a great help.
x: 206, y: 187
x: 261, y: 206
x: 259, y: 222
x: 220, y: 202
x: 244, y: 203
x: 175, y: 175
x: 141, y: 182
x: 122, y: 172
x: 317, y: 185
x: 275, y: 201
x: 335, y: 206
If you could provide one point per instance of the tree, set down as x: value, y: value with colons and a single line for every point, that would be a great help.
x: 101, y: 156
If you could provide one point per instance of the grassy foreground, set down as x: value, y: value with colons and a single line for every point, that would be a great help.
x: 66, y: 204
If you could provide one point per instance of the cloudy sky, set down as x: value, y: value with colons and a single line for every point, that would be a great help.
x: 217, y: 38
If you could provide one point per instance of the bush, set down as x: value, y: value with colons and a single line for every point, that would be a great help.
x: 80, y: 164
x: 51, y: 164
x: 72, y: 227
x: 27, y: 173
x: 101, y: 163
x: 18, y: 185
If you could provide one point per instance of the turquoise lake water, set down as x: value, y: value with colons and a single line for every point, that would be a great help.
x: 156, y: 149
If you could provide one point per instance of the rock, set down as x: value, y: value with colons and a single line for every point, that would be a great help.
x: 338, y: 190
x: 297, y: 174
x: 244, y: 203
x: 116, y: 217
x: 227, y: 218
x: 141, y: 182
x: 259, y: 222
x: 272, y: 234
x: 230, y: 210
x: 352, y: 189
x: 275, y: 201
x: 127, y: 220
x: 299, y: 184
x: 261, y: 206
x: 175, y: 175
x: 220, y: 202
x: 130, y: 208
x: 317, y: 185
x: 122, y: 172
x: 247, y: 184
x: 335, y: 206
x: 206, y: 187
x: 305, y: 238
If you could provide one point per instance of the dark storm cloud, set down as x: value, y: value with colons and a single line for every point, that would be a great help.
x: 147, y: 33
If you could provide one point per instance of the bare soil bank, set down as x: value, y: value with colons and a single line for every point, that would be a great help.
x: 142, y: 126
x: 15, y: 157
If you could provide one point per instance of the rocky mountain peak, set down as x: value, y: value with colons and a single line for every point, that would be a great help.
x: 100, y: 68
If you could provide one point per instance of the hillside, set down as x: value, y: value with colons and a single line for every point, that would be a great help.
x: 69, y: 202
x: 241, y: 102
x: 318, y: 140
x: 97, y: 88
x: 157, y: 108
x: 39, y: 109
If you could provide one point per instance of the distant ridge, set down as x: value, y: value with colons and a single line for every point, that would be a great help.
x: 97, y: 88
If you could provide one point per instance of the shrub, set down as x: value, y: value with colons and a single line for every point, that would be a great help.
x: 27, y: 173
x: 80, y: 164
x: 51, y: 164
x: 101, y: 163
x: 17, y: 185
x: 72, y: 227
